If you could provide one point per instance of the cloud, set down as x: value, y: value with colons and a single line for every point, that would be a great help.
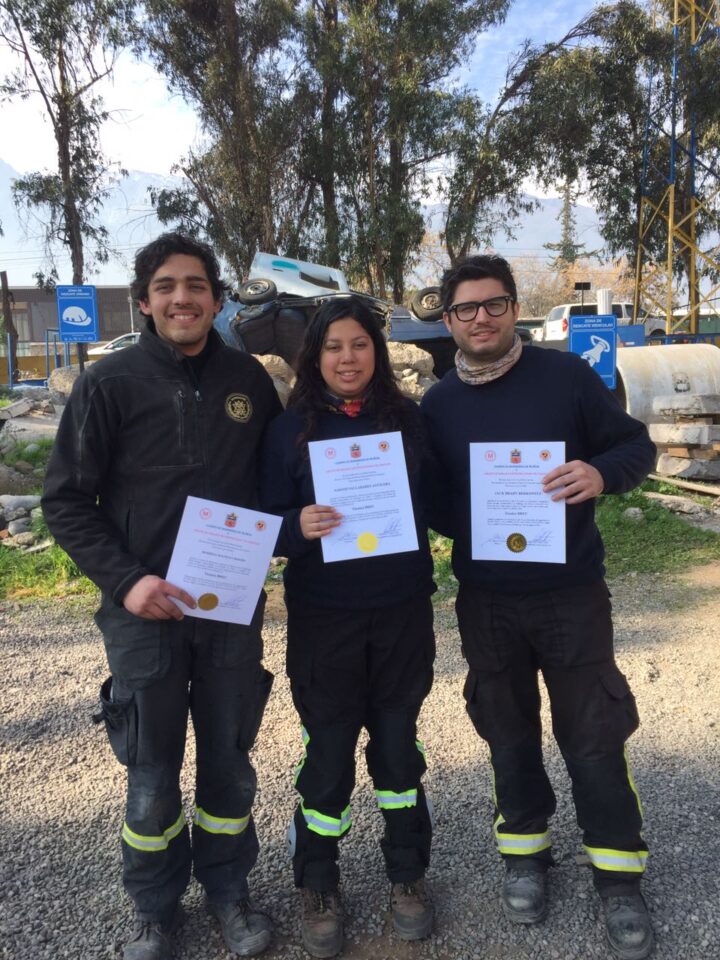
x: 150, y: 129
x: 526, y: 20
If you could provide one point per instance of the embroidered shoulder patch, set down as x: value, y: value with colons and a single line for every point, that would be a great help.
x: 238, y: 407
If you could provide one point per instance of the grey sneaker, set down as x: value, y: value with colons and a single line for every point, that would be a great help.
x: 523, y: 892
x: 322, y: 922
x: 152, y: 940
x: 245, y: 931
x: 412, y: 910
x: 627, y: 926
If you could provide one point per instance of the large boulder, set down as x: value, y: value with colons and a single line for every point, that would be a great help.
x: 276, y: 367
x: 404, y: 356
x: 61, y: 381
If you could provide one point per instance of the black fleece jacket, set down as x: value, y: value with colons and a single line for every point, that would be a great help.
x: 141, y: 432
x: 547, y: 395
x: 286, y: 487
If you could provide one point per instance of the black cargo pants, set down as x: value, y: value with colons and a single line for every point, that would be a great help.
x: 348, y: 670
x: 567, y: 634
x: 161, y: 671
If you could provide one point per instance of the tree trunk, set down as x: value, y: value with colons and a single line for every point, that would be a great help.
x: 327, y: 125
x: 10, y: 330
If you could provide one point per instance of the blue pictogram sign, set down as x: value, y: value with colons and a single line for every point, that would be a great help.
x: 593, y: 338
x: 77, y: 314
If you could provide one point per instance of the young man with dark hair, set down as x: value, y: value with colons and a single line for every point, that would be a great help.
x: 180, y: 414
x: 516, y: 618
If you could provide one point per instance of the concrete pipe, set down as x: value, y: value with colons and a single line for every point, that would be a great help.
x: 644, y: 373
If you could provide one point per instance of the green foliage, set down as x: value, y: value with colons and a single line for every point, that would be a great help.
x: 237, y: 64
x: 661, y: 543
x: 48, y: 573
x: 441, y: 549
x: 66, y: 47
x: 324, y: 119
x: 19, y: 451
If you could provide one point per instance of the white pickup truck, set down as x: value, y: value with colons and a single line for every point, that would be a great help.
x: 557, y: 322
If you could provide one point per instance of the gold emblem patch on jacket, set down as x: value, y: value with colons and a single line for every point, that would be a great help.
x: 238, y: 407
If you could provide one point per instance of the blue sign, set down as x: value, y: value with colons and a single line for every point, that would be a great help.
x: 593, y: 338
x: 77, y: 314
x: 632, y: 334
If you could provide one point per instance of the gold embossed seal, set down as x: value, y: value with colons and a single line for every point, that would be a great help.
x: 208, y: 601
x: 516, y: 542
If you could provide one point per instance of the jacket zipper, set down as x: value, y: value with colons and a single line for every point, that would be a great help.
x: 180, y: 396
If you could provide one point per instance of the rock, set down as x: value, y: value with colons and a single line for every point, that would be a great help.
x: 32, y: 448
x: 16, y: 527
x: 17, y: 409
x: 13, y: 482
x: 61, y: 382
x: 411, y: 390
x: 276, y: 367
x: 403, y: 355
x: 15, y: 513
x: 682, y: 467
x: 687, y: 404
x: 36, y: 513
x: 678, y: 504
x: 22, y: 466
x: 24, y: 539
x: 635, y: 514
x: 13, y: 502
x: 683, y: 434
x: 283, y: 390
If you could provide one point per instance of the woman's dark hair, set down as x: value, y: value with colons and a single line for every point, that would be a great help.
x: 150, y: 258
x: 383, y: 399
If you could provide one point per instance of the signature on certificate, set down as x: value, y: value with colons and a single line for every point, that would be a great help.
x: 539, y: 540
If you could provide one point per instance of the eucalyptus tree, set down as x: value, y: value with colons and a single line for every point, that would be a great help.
x: 64, y: 48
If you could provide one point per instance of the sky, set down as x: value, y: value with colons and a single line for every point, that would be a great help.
x: 151, y: 129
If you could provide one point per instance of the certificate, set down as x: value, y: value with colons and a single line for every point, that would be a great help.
x: 365, y: 479
x: 511, y: 517
x: 221, y: 557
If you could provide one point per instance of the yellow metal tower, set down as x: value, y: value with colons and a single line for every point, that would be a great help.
x: 681, y: 180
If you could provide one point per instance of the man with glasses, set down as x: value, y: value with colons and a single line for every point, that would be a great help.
x: 518, y: 618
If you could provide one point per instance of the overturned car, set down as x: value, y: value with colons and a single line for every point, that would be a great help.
x: 272, y: 308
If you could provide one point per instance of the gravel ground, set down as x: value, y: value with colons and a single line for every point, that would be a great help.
x: 62, y: 800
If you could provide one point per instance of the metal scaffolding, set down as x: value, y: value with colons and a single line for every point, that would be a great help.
x: 680, y: 179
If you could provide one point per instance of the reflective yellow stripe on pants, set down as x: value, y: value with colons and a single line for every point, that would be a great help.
x: 153, y: 844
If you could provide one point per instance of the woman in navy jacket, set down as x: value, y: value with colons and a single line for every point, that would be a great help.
x: 360, y: 632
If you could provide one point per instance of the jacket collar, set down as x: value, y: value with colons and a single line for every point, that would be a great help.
x: 150, y: 341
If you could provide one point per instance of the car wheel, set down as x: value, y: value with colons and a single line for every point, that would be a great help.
x: 257, y: 291
x: 427, y: 304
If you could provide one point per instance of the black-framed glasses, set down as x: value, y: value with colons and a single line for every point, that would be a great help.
x: 494, y: 307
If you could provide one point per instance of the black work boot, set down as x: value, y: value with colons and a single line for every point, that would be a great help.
x: 245, y: 931
x: 322, y: 922
x: 523, y: 891
x: 152, y: 939
x: 627, y: 925
x: 412, y: 910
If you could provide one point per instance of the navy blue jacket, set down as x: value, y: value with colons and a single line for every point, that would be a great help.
x: 286, y: 487
x: 547, y: 395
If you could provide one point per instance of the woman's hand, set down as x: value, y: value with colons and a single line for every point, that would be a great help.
x: 317, y: 521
